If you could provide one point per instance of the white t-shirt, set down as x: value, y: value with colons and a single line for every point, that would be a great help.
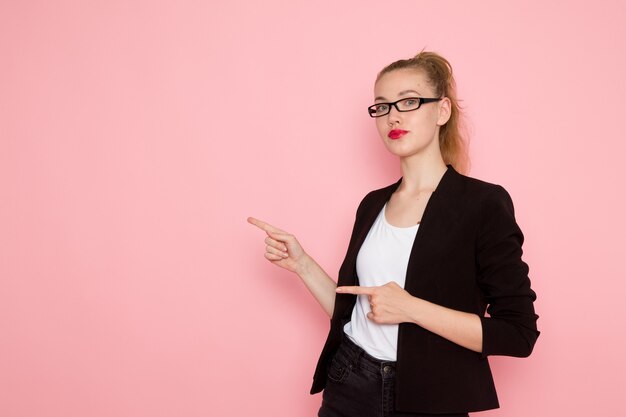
x: 383, y: 257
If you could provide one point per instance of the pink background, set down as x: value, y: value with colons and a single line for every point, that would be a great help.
x: 137, y: 136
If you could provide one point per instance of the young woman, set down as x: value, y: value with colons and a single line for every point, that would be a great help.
x: 428, y: 256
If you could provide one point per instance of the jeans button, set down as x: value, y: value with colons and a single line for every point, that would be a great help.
x: 387, y: 369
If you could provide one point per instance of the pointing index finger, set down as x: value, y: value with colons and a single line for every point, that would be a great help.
x: 266, y: 227
x: 355, y: 290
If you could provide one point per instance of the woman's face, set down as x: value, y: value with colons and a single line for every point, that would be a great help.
x: 421, y: 125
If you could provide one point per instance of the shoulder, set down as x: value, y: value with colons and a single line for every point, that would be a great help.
x: 480, y: 192
x: 477, y: 185
x: 376, y: 196
x: 381, y: 192
x: 455, y: 191
x: 489, y: 205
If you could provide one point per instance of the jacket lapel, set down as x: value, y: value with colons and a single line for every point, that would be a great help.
x: 366, y: 215
x: 368, y: 218
x: 437, y: 218
x: 440, y: 216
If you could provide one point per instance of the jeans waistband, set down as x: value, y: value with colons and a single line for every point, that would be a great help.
x: 365, y: 360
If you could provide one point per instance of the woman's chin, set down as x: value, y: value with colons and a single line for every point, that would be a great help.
x: 400, y: 149
x: 404, y: 147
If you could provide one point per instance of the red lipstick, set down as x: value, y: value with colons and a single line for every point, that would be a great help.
x: 397, y: 133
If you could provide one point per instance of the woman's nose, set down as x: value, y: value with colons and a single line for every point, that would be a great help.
x: 393, y: 116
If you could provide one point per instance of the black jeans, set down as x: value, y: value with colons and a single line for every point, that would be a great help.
x: 360, y: 385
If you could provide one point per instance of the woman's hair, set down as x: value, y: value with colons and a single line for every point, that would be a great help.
x: 453, y: 141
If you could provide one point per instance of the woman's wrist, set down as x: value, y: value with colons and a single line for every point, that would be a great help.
x: 416, y: 310
x: 305, y: 265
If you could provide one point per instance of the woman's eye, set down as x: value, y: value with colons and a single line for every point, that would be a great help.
x: 411, y: 102
x: 381, y: 108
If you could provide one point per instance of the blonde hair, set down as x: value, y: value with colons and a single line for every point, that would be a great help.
x: 453, y: 140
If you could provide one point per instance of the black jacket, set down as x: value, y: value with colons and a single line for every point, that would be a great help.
x: 467, y: 255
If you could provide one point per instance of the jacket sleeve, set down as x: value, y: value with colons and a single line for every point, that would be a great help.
x: 511, y: 328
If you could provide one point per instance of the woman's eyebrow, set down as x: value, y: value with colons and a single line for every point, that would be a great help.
x: 403, y: 92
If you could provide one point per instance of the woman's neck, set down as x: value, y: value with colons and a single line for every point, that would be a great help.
x: 421, y: 174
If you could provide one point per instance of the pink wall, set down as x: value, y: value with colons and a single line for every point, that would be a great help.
x: 137, y: 136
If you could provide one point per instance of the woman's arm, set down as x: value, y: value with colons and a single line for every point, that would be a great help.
x: 502, y: 276
x: 511, y: 328
x: 284, y: 250
x: 392, y: 304
x: 319, y: 284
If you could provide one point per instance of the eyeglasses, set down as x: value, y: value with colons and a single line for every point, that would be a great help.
x: 405, y: 104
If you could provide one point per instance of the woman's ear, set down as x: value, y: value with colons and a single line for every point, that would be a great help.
x: 445, y: 110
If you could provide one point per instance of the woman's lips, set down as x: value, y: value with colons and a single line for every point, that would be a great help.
x: 397, y: 133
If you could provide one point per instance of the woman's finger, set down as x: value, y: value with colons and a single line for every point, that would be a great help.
x: 286, y: 238
x: 272, y: 257
x: 266, y: 227
x: 275, y: 243
x: 356, y: 290
x: 281, y: 236
x: 277, y: 252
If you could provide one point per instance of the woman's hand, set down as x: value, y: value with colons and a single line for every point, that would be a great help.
x: 390, y: 303
x: 282, y: 248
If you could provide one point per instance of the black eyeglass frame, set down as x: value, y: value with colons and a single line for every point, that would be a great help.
x: 421, y: 100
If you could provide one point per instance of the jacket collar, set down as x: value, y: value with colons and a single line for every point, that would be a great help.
x: 445, y: 189
x: 440, y: 212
